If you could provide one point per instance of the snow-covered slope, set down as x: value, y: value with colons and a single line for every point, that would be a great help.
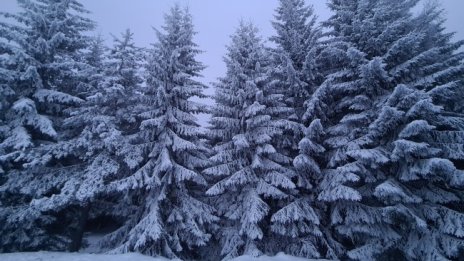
x: 55, y: 256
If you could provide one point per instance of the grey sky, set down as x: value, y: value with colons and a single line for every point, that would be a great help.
x: 215, y: 21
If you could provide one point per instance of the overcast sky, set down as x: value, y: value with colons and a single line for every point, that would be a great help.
x: 215, y: 21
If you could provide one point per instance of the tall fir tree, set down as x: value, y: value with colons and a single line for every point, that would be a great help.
x: 95, y: 57
x: 388, y: 134
x: 106, y: 120
x: 296, y: 76
x: 251, y: 175
x: 171, y: 219
x: 297, y: 43
x: 338, y: 62
x: 44, y: 52
x: 420, y: 133
x: 44, y: 45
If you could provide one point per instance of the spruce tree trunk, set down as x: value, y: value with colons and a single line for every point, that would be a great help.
x: 78, y: 234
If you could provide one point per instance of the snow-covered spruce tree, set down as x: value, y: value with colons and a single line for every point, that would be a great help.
x: 44, y: 43
x: 250, y: 173
x: 119, y: 88
x: 340, y: 93
x: 95, y: 57
x: 171, y: 220
x: 391, y: 185
x: 419, y: 131
x: 305, y: 62
x: 294, y: 70
x: 294, y: 57
x: 110, y: 117
x: 106, y: 120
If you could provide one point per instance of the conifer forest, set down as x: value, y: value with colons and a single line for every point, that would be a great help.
x: 338, y: 139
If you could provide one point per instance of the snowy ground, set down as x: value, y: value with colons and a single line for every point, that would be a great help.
x: 54, y: 256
